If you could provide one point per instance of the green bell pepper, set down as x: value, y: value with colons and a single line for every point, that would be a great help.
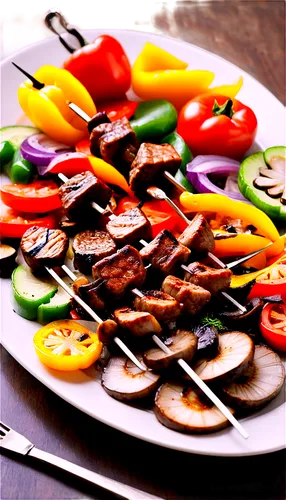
x: 181, y: 147
x: 20, y: 170
x: 154, y: 119
x: 7, y: 151
x: 180, y: 177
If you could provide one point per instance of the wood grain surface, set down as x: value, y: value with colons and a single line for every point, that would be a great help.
x: 250, y: 34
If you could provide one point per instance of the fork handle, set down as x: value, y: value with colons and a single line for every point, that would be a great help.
x: 125, y: 491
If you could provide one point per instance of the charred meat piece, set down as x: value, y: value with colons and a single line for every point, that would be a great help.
x: 151, y: 160
x: 129, y: 226
x: 161, y: 305
x: 165, y: 252
x: 114, y: 142
x: 198, y: 235
x: 97, y: 119
x: 213, y: 280
x: 91, y: 246
x: 121, y: 271
x: 77, y: 193
x: 137, y: 322
x: 44, y: 247
x: 193, y: 297
x: 90, y: 293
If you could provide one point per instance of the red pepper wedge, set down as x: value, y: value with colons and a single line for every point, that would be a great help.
x: 102, y: 67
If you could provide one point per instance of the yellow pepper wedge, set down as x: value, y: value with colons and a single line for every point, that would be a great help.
x: 230, y: 90
x: 109, y: 174
x: 209, y: 202
x: 243, y: 279
x: 48, y: 107
x: 156, y: 74
x: 244, y: 243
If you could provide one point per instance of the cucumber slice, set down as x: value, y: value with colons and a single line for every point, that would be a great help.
x: 16, y: 134
x: 247, y: 176
x: 57, y: 308
x: 30, y: 292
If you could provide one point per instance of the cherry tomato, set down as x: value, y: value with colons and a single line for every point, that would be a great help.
x: 159, y: 213
x: 14, y: 225
x: 102, y: 67
x: 70, y: 164
x: 38, y: 197
x: 217, y: 125
x: 273, y: 325
x: 118, y: 109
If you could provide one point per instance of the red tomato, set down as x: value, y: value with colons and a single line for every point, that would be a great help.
x: 159, y: 213
x: 83, y: 147
x: 118, y: 109
x: 14, y: 225
x: 102, y: 67
x: 70, y: 164
x: 271, y: 282
x: 208, y: 129
x: 38, y: 197
x: 273, y: 325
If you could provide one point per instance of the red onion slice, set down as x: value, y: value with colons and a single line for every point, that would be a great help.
x: 40, y: 149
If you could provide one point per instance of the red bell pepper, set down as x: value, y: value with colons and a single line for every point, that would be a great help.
x: 217, y: 125
x: 102, y: 67
x: 118, y: 109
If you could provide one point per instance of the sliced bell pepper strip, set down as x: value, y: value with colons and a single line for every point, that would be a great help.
x: 230, y: 90
x: 154, y: 119
x: 244, y: 243
x: 109, y: 174
x: 67, y: 346
x: 48, y: 107
x: 277, y: 268
x: 156, y: 74
x: 235, y: 209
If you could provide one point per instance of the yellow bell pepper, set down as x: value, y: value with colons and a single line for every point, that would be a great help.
x: 109, y: 174
x: 244, y: 243
x: 157, y: 74
x: 67, y: 345
x: 48, y: 108
x: 234, y: 209
x: 243, y: 279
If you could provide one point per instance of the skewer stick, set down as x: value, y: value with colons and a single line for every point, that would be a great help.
x: 91, y: 312
x: 198, y: 381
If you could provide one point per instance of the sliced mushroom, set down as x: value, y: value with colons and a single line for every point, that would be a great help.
x: 207, y: 340
x: 272, y: 177
x: 182, y: 344
x: 235, y: 353
x: 124, y: 381
x: 184, y: 409
x: 253, y: 307
x: 261, y: 384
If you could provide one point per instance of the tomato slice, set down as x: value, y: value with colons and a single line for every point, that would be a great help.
x: 273, y: 325
x: 14, y: 225
x: 118, y: 109
x: 38, y: 197
x: 271, y: 282
x: 66, y: 345
x: 83, y: 147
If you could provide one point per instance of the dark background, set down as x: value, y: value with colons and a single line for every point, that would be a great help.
x: 250, y: 34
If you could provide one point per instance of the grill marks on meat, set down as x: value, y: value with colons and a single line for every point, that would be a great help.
x: 77, y: 193
x: 159, y: 304
x: 44, y: 247
x: 115, y: 142
x: 198, y: 235
x: 214, y: 280
x: 193, y: 297
x: 151, y: 160
x: 91, y: 246
x: 121, y: 271
x: 129, y: 227
x: 137, y: 322
x: 165, y: 252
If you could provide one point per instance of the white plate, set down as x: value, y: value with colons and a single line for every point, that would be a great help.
x: 81, y: 389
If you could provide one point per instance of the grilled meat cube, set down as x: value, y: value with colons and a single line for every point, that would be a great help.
x: 111, y: 140
x: 198, y: 235
x: 150, y: 161
x: 165, y: 252
x: 193, y: 297
x: 121, y: 271
x: 91, y: 246
x: 129, y: 226
x: 137, y: 322
x: 213, y: 280
x: 44, y: 247
x: 96, y: 120
x: 77, y: 193
x: 90, y: 293
x: 160, y: 304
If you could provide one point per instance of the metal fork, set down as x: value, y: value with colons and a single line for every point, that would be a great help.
x: 13, y: 441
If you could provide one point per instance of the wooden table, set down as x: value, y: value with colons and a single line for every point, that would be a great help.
x: 250, y: 34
